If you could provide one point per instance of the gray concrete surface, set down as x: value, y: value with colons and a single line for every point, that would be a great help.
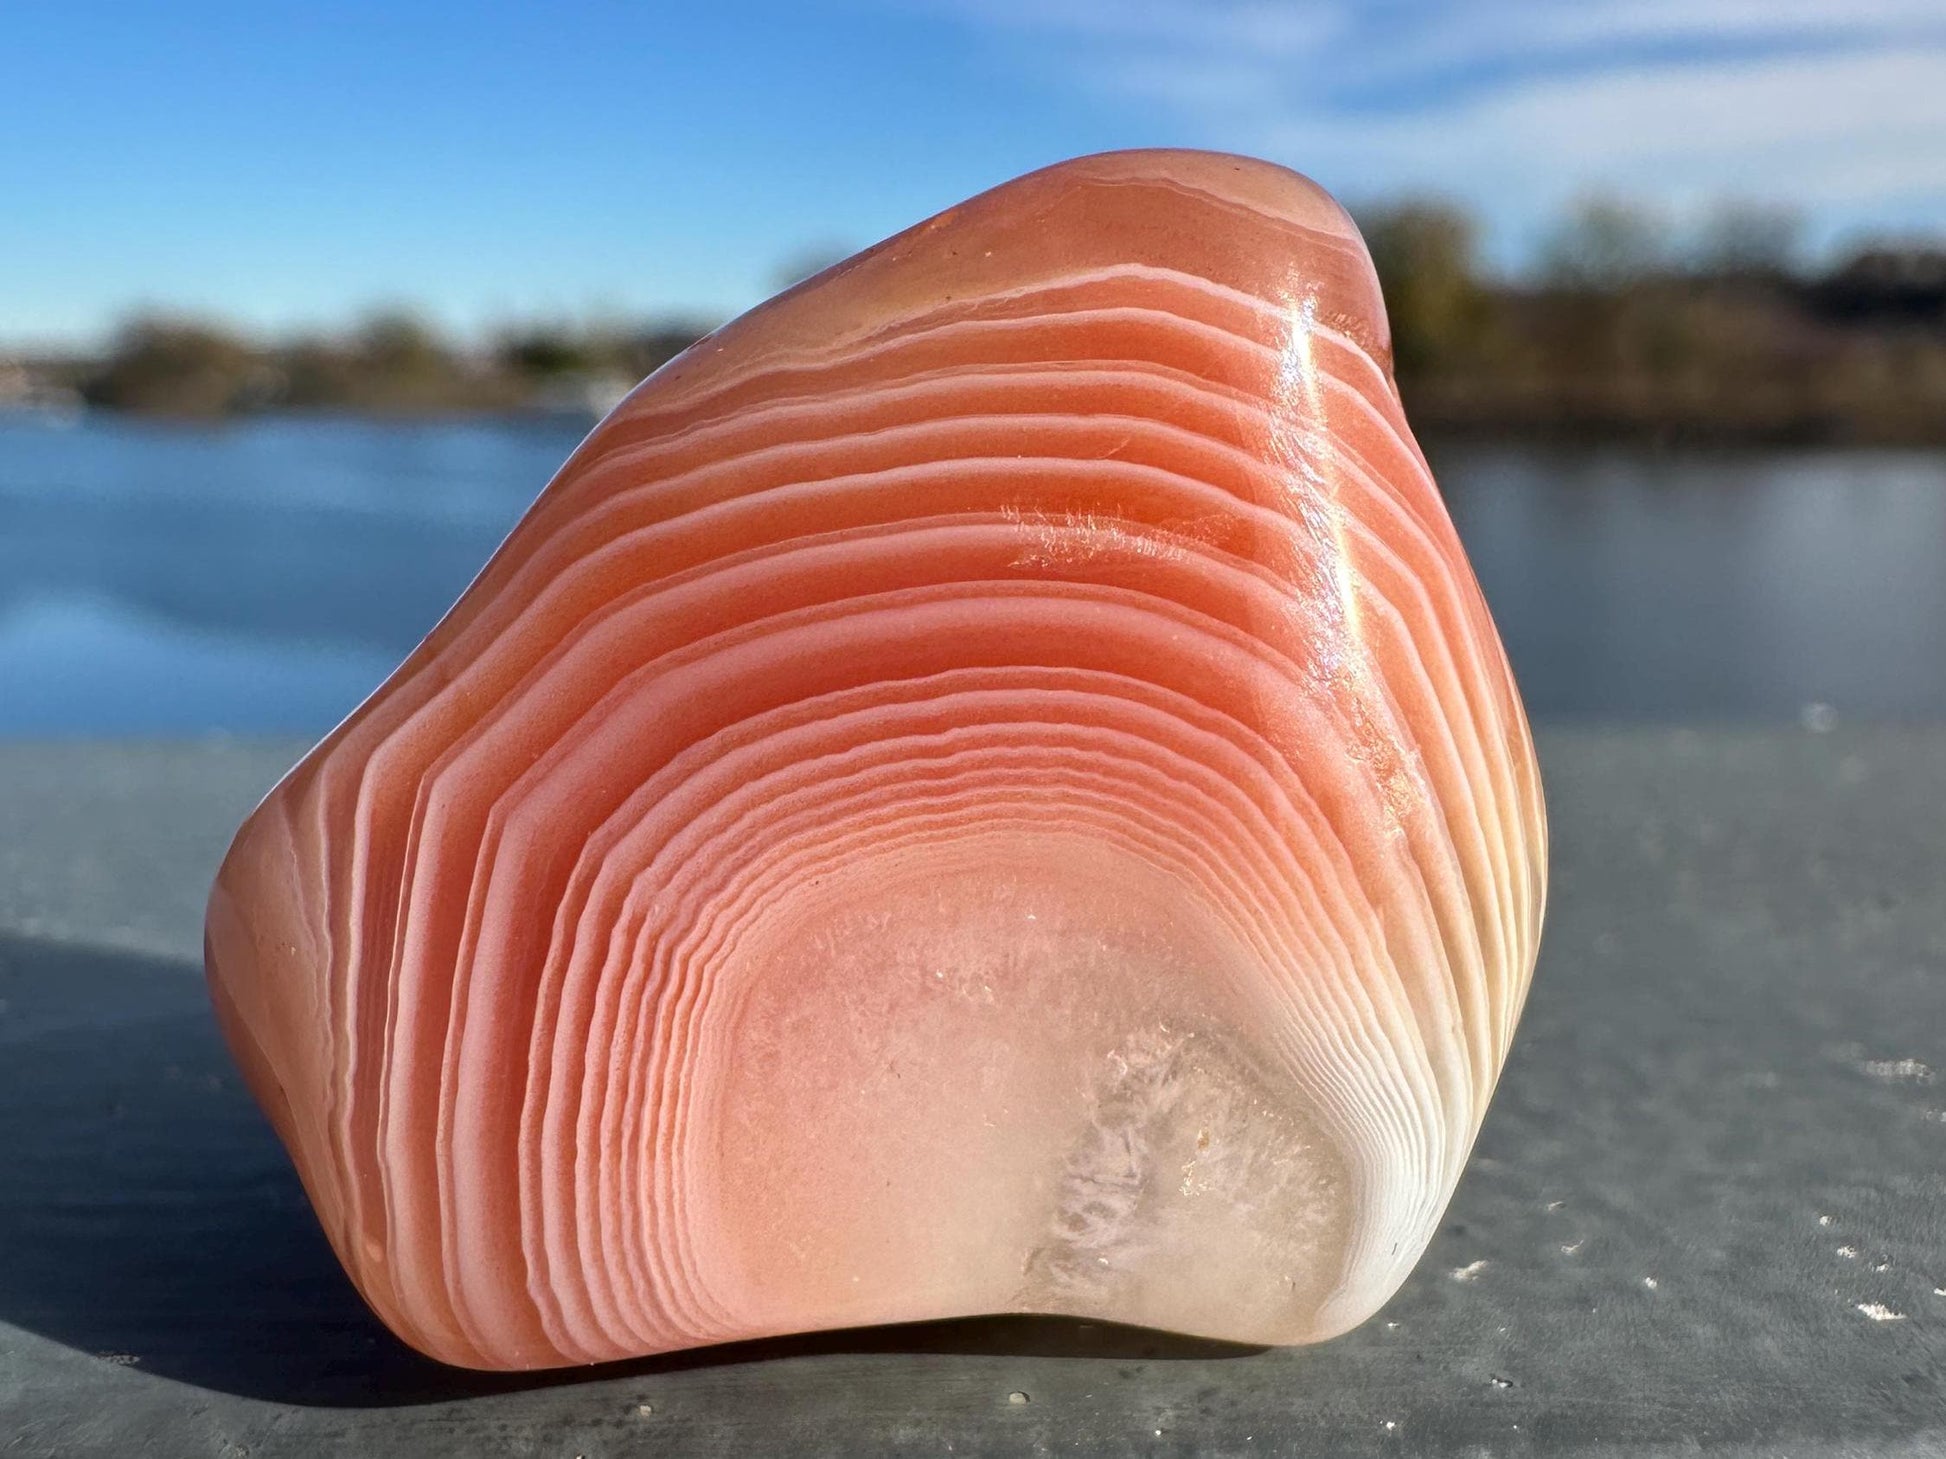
x: 1708, y: 1211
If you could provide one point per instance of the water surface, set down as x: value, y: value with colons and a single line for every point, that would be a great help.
x: 265, y: 576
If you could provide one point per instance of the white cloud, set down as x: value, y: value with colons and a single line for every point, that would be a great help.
x: 1735, y: 19
x: 1261, y: 26
x: 1837, y: 106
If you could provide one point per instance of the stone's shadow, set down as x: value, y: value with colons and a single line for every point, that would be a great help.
x: 149, y: 1216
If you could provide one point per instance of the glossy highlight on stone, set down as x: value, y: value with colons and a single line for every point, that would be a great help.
x: 986, y: 785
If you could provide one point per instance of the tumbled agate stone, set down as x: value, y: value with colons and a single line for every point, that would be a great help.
x: 986, y: 785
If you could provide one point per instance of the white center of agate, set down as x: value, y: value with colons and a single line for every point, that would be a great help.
x: 1013, y: 1071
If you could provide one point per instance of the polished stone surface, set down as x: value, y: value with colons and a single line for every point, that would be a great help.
x: 987, y: 785
x: 1707, y: 1211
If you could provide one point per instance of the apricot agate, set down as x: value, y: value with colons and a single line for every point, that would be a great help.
x: 985, y: 785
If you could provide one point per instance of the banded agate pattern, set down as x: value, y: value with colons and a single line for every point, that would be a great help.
x: 985, y: 785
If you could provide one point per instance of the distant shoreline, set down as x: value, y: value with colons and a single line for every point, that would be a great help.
x: 1436, y: 420
x: 1672, y: 419
x: 1617, y: 340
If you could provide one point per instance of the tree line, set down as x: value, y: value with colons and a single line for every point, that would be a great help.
x: 1624, y: 328
x: 391, y: 363
x: 1621, y: 327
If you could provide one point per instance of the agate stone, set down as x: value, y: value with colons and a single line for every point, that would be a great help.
x: 986, y: 785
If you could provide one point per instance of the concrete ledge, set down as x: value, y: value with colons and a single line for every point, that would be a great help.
x: 1708, y: 1211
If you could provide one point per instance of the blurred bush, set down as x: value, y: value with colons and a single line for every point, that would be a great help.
x: 391, y: 363
x: 178, y: 367
x: 1426, y: 255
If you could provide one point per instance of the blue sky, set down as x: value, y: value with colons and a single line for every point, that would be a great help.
x: 285, y: 166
